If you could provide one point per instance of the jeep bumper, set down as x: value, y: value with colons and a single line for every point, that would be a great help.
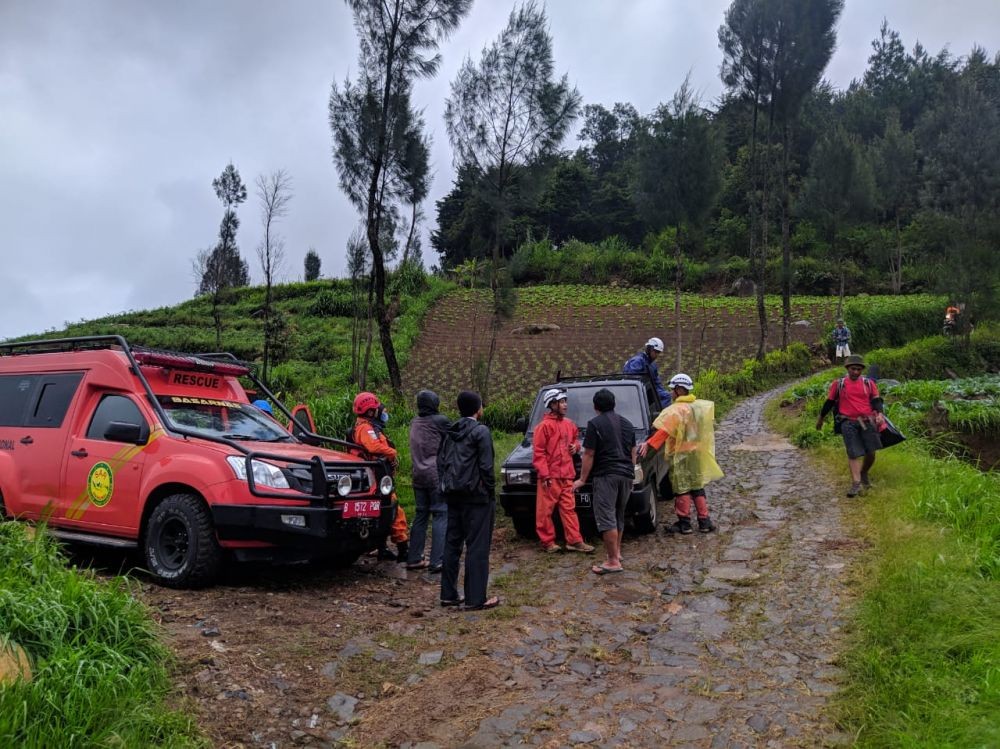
x: 307, y: 528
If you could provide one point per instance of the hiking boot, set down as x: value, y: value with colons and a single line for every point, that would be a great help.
x: 402, y: 551
x: 683, y: 525
x: 384, y: 555
x: 855, y: 490
x: 552, y: 549
x: 580, y: 546
x: 705, y: 525
x: 865, y: 482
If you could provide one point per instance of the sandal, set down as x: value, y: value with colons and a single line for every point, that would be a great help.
x: 489, y: 603
x: 453, y: 602
x: 600, y: 569
x: 421, y: 565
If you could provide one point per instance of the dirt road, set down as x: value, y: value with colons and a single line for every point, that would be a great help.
x: 719, y: 640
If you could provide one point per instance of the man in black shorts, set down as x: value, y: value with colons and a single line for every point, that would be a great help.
x: 609, y: 456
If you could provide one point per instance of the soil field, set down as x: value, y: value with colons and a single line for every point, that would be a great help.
x: 552, y: 333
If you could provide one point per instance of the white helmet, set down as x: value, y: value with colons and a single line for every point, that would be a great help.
x: 554, y: 394
x: 655, y: 343
x: 681, y: 380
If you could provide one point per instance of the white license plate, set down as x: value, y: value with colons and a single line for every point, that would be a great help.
x: 583, y: 498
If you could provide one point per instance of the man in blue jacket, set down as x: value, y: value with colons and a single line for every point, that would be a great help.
x: 645, y: 363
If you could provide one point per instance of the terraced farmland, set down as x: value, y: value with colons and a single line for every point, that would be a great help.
x: 594, y: 329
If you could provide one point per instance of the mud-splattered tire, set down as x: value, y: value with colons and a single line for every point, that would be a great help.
x: 645, y: 522
x: 179, y: 545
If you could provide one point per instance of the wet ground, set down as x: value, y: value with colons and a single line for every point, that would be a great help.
x: 726, y: 639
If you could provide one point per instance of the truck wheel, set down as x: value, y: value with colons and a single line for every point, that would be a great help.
x: 179, y: 543
x: 525, y: 526
x: 645, y: 522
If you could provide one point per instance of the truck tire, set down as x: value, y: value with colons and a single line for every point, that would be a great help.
x: 525, y: 526
x: 340, y: 560
x: 645, y: 522
x: 179, y: 545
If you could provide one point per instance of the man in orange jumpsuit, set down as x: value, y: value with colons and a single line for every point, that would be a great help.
x: 556, y: 441
x: 368, y: 432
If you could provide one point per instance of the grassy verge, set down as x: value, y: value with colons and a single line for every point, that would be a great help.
x: 99, y: 678
x: 923, y: 666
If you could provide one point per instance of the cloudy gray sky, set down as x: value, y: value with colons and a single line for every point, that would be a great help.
x: 115, y: 116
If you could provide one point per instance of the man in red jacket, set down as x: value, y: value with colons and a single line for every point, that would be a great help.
x: 556, y: 441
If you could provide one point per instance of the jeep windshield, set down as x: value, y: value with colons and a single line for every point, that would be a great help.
x: 580, y: 404
x: 222, y: 419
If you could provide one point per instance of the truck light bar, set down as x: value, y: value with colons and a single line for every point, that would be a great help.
x: 192, y: 363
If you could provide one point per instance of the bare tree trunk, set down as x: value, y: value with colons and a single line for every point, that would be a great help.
x: 678, y: 272
x: 786, y: 242
x: 410, y: 235
x: 897, y: 270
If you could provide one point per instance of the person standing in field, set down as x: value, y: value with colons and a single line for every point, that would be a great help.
x: 426, y: 431
x: 645, y: 363
x: 609, y: 456
x: 465, y: 471
x: 555, y: 442
x: 842, y: 340
x: 685, y: 430
x: 858, y: 418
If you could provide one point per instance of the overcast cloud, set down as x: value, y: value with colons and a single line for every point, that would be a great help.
x: 116, y: 115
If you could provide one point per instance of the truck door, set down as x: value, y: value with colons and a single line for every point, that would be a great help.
x: 40, y: 439
x: 102, y: 481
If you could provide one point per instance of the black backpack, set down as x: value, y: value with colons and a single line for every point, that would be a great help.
x: 453, y: 477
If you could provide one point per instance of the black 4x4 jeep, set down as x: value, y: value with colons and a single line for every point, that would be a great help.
x: 637, y: 401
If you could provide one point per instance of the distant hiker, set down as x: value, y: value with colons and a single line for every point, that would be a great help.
x: 609, y: 457
x: 426, y: 432
x: 465, y: 472
x: 555, y: 442
x: 368, y: 433
x: 842, y: 340
x: 686, y: 432
x: 644, y: 363
x: 858, y: 418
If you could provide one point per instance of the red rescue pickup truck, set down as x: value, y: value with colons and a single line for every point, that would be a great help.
x: 138, y: 448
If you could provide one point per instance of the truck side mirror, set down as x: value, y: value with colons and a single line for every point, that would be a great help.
x: 121, y: 431
x: 521, y: 424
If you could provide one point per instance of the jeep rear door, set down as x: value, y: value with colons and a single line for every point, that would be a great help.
x: 102, y: 479
x: 35, y: 410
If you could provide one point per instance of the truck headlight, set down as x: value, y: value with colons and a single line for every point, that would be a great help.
x: 516, y: 476
x: 264, y: 474
x: 385, y: 486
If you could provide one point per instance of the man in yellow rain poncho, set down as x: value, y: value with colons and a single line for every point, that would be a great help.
x: 686, y: 431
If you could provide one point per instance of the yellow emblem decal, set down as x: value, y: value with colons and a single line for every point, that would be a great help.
x: 100, y: 484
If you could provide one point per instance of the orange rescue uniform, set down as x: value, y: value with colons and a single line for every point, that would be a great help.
x: 370, y: 437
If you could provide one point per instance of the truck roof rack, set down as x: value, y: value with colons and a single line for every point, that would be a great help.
x: 221, y: 363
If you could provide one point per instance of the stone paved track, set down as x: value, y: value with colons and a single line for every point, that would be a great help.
x: 719, y: 640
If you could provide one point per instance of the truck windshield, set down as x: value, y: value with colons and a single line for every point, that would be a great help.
x: 221, y: 418
x: 580, y: 401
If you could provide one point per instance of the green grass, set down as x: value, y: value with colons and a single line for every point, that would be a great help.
x: 923, y: 665
x: 99, y: 675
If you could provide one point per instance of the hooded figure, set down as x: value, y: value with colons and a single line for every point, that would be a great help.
x: 426, y: 431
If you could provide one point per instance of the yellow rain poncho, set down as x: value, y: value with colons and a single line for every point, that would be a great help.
x: 688, y: 439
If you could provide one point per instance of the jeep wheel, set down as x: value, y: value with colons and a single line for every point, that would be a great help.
x: 525, y: 526
x: 645, y: 522
x: 179, y: 543
x: 339, y: 560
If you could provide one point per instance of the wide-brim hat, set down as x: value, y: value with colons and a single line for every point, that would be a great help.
x: 854, y: 361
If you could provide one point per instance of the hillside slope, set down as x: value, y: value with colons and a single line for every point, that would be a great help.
x: 593, y: 330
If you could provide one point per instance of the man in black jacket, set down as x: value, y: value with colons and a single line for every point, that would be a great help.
x: 465, y: 471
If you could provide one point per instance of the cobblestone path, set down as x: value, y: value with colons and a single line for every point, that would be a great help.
x: 725, y: 639
x: 719, y: 640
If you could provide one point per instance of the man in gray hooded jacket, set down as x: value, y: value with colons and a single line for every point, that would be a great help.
x: 426, y: 431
